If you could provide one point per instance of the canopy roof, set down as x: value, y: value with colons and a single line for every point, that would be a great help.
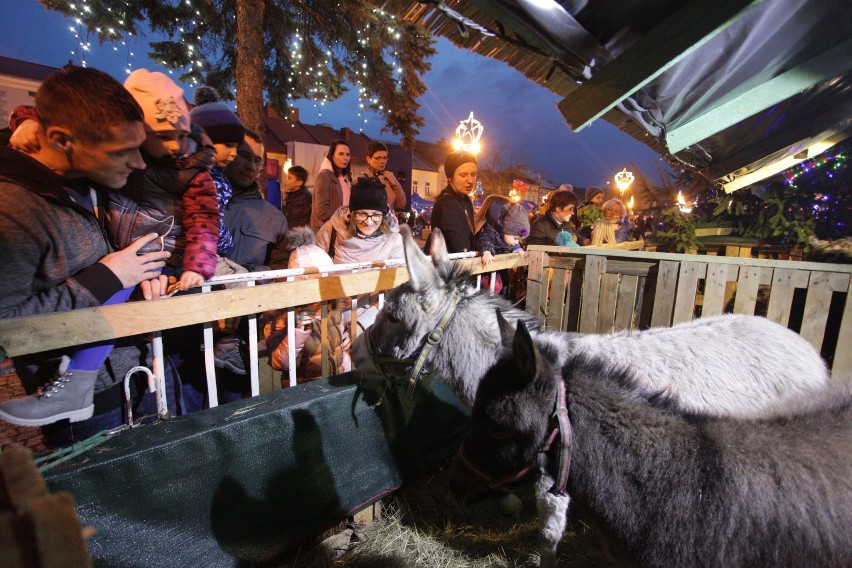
x: 736, y: 90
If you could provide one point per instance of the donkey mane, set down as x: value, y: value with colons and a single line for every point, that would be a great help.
x: 457, y: 278
x: 620, y: 376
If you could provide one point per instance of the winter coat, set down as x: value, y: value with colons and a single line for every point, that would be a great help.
x: 297, y: 207
x: 489, y: 238
x: 224, y: 191
x: 350, y: 249
x: 330, y: 193
x: 258, y: 228
x: 50, y: 246
x: 543, y: 230
x: 174, y: 198
x: 453, y: 214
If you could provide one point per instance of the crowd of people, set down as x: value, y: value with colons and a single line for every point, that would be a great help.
x: 120, y: 191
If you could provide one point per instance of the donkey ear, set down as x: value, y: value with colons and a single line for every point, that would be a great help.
x: 438, y: 247
x: 507, y: 332
x: 525, y: 353
x: 421, y: 273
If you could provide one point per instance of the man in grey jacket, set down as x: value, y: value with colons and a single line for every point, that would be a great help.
x: 258, y: 227
x: 55, y: 254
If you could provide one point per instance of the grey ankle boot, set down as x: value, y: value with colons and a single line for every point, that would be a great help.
x: 69, y: 396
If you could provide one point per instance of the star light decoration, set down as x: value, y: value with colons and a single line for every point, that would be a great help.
x: 468, y: 133
x: 623, y: 179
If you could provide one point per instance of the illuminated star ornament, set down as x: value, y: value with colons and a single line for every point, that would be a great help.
x: 468, y: 133
x: 623, y: 179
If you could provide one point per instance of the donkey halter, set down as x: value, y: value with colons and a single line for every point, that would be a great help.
x: 561, y: 429
x: 418, y: 362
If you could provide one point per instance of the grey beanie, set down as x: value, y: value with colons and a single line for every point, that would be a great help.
x: 592, y: 191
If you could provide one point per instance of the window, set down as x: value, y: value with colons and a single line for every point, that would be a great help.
x: 414, y: 187
x: 428, y: 189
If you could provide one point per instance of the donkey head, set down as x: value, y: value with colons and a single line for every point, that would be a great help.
x: 439, y: 313
x: 510, y: 419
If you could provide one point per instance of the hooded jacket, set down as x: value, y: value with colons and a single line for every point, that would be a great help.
x: 349, y: 249
x: 330, y: 193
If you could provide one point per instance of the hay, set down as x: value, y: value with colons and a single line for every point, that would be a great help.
x: 425, y: 526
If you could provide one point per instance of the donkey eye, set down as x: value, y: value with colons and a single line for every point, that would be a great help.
x: 392, y: 318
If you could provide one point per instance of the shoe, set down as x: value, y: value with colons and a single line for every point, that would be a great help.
x: 230, y: 353
x: 69, y: 396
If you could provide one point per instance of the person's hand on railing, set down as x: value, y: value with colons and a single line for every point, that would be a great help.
x: 132, y: 268
x: 487, y: 258
x: 155, y: 287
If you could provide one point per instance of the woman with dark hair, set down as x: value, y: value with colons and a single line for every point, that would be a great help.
x: 453, y: 209
x: 377, y: 161
x: 546, y: 229
x: 333, y: 184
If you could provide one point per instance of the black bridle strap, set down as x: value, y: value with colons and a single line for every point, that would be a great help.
x: 434, y: 338
x: 380, y: 361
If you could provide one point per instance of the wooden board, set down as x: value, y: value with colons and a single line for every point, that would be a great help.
x: 595, y: 268
x: 781, y: 296
x: 665, y: 293
x: 607, y: 304
x: 687, y: 284
x: 556, y: 305
x: 816, y: 308
x: 747, y: 285
x: 714, y: 290
x: 624, y: 312
x: 842, y: 366
x: 537, y: 285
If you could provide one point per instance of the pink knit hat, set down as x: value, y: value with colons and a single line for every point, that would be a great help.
x: 161, y: 100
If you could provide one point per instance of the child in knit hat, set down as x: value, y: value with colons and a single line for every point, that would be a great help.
x: 227, y: 133
x: 500, y: 227
x: 307, y: 332
x: 175, y: 187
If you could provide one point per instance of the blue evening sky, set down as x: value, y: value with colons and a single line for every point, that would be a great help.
x: 517, y: 114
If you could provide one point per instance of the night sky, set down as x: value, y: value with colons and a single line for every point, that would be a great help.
x: 519, y: 116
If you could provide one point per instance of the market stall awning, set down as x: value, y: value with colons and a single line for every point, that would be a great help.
x: 420, y: 202
x: 736, y: 90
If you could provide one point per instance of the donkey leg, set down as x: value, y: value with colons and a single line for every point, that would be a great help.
x: 552, y: 518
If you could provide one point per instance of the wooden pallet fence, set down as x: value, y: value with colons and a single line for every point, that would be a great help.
x: 604, y: 290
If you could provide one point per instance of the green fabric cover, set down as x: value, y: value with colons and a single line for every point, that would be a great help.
x: 241, y: 482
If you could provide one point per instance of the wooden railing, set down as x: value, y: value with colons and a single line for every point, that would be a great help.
x: 600, y: 290
x: 34, y: 334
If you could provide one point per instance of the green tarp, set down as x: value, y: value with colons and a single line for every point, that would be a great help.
x: 237, y: 484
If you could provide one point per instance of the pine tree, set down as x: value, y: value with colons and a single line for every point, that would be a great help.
x: 280, y: 50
